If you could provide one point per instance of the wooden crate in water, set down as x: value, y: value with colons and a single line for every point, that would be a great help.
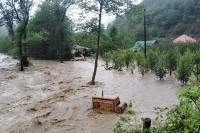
x: 107, y: 103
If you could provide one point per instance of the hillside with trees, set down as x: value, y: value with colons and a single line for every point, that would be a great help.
x: 165, y: 19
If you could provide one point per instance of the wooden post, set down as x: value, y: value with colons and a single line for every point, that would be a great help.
x: 146, y: 125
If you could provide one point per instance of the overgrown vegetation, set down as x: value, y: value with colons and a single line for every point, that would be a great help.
x: 165, y: 19
x: 50, y: 32
x: 163, y: 59
x: 181, y: 118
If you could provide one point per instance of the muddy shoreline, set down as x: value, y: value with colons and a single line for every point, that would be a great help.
x: 54, y: 97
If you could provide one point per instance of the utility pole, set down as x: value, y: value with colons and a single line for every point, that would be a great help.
x: 145, y: 35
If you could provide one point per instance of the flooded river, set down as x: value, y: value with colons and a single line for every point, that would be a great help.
x: 6, y: 61
x: 54, y: 97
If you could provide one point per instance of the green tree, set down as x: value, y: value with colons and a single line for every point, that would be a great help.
x: 86, y: 39
x: 172, y: 56
x: 106, y: 44
x: 128, y: 57
x: 8, y: 16
x: 114, y: 36
x: 141, y: 63
x: 5, y: 44
x: 107, y: 57
x: 54, y: 28
x: 184, y: 68
x: 113, y: 33
x: 22, y: 14
x: 17, y: 11
x: 152, y: 58
x: 196, y: 60
x: 98, y: 6
x: 118, y: 59
x: 160, y: 67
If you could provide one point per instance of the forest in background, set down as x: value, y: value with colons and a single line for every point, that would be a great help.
x: 165, y: 19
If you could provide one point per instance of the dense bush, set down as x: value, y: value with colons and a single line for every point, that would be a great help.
x: 196, y: 60
x: 160, y: 67
x: 183, y: 60
x: 184, y: 117
x: 152, y: 59
x: 184, y: 68
x: 6, y: 44
x: 172, y: 57
x: 119, y: 58
x: 141, y: 63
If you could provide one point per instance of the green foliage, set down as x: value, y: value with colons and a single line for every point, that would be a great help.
x: 14, y: 52
x: 106, y: 44
x: 107, y: 57
x: 196, y: 60
x: 7, y: 17
x: 119, y: 58
x: 184, y: 68
x: 185, y: 116
x: 165, y: 18
x: 181, y: 118
x: 50, y: 35
x: 124, y: 124
x: 141, y: 63
x: 152, y: 58
x: 99, y: 7
x: 86, y: 39
x: 160, y: 67
x: 6, y: 44
x: 172, y: 56
x: 177, y: 14
x: 125, y: 35
x: 162, y: 59
x: 128, y: 57
x: 182, y: 48
x: 113, y: 33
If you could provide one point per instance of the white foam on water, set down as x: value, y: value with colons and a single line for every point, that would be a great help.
x: 6, y: 61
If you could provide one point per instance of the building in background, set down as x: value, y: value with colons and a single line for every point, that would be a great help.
x: 184, y: 39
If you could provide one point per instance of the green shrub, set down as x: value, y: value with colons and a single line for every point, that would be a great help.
x: 181, y: 118
x: 160, y: 67
x: 184, y: 68
x: 6, y: 44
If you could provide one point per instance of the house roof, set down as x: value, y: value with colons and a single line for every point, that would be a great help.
x: 184, y: 39
x: 139, y: 44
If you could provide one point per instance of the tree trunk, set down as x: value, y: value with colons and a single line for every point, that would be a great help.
x: 146, y: 125
x: 98, y: 41
x: 21, y: 35
x: 20, y: 51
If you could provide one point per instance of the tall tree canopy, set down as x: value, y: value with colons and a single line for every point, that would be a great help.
x: 52, y: 28
x: 166, y: 18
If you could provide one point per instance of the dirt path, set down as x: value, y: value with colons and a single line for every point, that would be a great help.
x: 52, y: 97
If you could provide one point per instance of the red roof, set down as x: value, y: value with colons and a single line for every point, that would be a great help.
x: 184, y: 39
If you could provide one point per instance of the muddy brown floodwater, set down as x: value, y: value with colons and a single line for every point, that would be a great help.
x: 53, y: 97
